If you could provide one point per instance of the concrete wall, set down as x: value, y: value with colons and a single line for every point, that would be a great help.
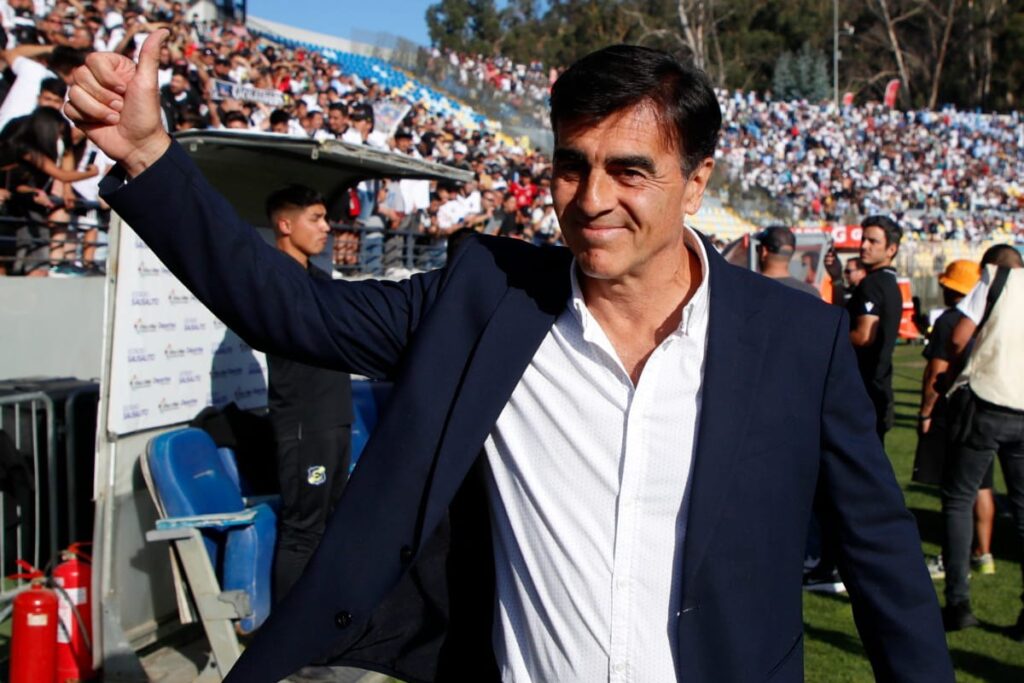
x: 51, y: 327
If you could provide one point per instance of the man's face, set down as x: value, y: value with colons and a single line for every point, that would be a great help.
x: 81, y: 38
x: 48, y: 99
x: 306, y: 229
x: 178, y: 84
x: 279, y: 127
x: 620, y: 193
x: 336, y: 121
x: 403, y: 144
x: 874, y: 252
x: 854, y: 273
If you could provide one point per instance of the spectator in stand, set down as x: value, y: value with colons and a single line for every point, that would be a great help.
x: 875, y: 310
x: 776, y: 246
x: 508, y: 220
x: 23, y: 96
x: 35, y: 176
x: 544, y: 222
x: 992, y: 328
x: 178, y: 99
x: 280, y: 122
x: 337, y: 119
x: 524, y: 188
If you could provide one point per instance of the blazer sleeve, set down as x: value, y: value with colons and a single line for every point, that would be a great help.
x: 861, y: 505
x: 263, y: 295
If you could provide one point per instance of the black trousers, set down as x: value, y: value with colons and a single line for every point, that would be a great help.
x: 312, y: 469
x: 995, y: 432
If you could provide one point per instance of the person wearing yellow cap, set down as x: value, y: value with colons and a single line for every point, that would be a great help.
x: 956, y: 281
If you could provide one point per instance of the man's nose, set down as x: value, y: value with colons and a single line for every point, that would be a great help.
x: 595, y: 194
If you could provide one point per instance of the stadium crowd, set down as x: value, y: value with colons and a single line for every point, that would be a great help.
x: 525, y: 86
x: 944, y: 175
x: 947, y: 174
x: 219, y: 75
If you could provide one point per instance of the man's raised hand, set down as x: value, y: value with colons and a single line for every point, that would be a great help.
x: 117, y: 104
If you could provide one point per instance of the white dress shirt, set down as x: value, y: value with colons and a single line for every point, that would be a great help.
x: 588, y: 490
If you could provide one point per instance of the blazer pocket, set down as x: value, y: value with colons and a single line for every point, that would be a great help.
x: 794, y: 650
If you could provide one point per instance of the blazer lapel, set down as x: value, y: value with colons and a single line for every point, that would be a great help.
x: 734, y: 357
x: 525, y: 315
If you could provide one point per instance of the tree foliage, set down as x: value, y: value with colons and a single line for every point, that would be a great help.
x: 965, y: 52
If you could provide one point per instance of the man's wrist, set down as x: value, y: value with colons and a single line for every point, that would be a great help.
x: 145, y: 155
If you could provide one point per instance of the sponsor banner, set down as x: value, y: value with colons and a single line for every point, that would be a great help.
x: 844, y: 237
x: 171, y: 356
x: 226, y: 90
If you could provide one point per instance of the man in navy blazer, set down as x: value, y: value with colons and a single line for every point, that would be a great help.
x: 448, y: 558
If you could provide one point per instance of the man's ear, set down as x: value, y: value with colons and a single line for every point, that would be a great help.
x: 696, y: 184
x: 283, y: 226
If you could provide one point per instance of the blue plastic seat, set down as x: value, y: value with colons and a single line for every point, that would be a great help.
x: 196, y: 489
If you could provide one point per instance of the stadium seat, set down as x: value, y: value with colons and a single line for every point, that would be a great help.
x: 223, y: 550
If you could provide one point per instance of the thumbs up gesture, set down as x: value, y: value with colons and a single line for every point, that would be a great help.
x: 117, y: 104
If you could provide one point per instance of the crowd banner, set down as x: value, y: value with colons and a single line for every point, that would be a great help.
x: 170, y: 356
x: 225, y: 90
x: 388, y: 115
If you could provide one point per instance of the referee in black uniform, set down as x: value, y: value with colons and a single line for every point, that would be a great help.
x: 875, y: 311
x: 310, y: 408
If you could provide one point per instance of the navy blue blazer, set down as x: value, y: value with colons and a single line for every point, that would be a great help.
x: 403, y: 580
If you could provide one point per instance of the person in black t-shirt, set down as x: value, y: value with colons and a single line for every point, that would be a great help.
x: 932, y: 440
x: 875, y: 310
x: 310, y: 408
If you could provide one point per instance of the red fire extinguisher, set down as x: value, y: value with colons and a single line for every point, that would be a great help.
x: 72, y: 579
x: 34, y: 635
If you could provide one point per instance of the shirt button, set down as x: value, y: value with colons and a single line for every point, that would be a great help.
x: 342, y: 619
x: 619, y: 668
x: 405, y: 555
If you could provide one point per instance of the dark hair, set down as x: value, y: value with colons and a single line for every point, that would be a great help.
x: 856, y: 263
x: 292, y: 196
x: 338, y: 106
x: 1003, y: 255
x: 893, y: 232
x: 36, y: 135
x: 362, y: 112
x: 279, y: 116
x: 54, y: 86
x: 232, y: 116
x: 623, y: 76
x: 65, y: 59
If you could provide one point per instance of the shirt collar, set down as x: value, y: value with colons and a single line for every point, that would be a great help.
x: 695, y: 309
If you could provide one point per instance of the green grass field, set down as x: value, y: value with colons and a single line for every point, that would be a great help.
x: 833, y: 651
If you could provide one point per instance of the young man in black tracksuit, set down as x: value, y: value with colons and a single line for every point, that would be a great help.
x: 310, y: 407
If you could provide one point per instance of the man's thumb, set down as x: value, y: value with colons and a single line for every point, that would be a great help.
x: 149, y: 55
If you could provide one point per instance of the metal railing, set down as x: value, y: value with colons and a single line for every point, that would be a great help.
x: 375, y: 251
x: 27, y: 244
x: 28, y: 537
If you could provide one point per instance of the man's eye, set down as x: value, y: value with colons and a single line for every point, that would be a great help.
x: 630, y: 175
x: 567, y: 170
